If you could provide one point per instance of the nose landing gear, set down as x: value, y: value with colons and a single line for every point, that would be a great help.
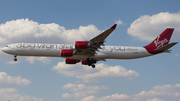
x: 15, y: 57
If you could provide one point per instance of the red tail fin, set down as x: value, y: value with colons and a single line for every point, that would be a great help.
x: 161, y: 40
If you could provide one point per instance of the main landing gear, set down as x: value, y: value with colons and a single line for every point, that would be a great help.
x: 93, y: 66
x: 91, y: 62
x: 15, y: 57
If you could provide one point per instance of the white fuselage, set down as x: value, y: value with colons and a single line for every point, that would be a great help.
x: 53, y: 50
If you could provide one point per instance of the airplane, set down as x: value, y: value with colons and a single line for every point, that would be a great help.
x: 89, y: 52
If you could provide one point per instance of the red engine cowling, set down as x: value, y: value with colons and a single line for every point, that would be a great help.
x: 71, y: 61
x: 82, y: 44
x: 84, y: 62
x: 67, y: 52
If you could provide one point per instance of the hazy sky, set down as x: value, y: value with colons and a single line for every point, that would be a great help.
x: 155, y: 78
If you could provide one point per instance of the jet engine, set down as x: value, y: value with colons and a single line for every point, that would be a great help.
x: 82, y: 44
x: 89, y: 62
x: 67, y: 52
x: 72, y: 61
x: 84, y: 62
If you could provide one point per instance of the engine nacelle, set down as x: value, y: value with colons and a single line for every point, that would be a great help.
x: 67, y: 52
x: 71, y: 61
x: 84, y: 62
x: 82, y: 44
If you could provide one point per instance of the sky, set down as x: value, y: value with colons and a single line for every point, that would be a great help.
x: 154, y: 78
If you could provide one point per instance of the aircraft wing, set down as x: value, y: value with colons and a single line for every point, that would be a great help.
x: 97, y: 41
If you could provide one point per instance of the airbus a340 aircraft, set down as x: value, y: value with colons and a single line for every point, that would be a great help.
x: 89, y: 52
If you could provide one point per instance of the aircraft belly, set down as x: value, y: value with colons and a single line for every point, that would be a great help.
x: 38, y: 52
x: 100, y: 55
x: 80, y: 57
x: 120, y: 55
x: 97, y: 56
x: 128, y: 54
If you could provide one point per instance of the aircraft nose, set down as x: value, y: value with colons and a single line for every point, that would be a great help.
x: 5, y: 49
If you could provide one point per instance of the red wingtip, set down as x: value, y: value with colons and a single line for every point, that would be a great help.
x: 114, y: 26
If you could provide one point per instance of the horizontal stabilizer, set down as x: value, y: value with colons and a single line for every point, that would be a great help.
x: 166, y: 47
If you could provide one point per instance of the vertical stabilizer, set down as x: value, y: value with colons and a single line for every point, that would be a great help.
x: 160, y: 41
